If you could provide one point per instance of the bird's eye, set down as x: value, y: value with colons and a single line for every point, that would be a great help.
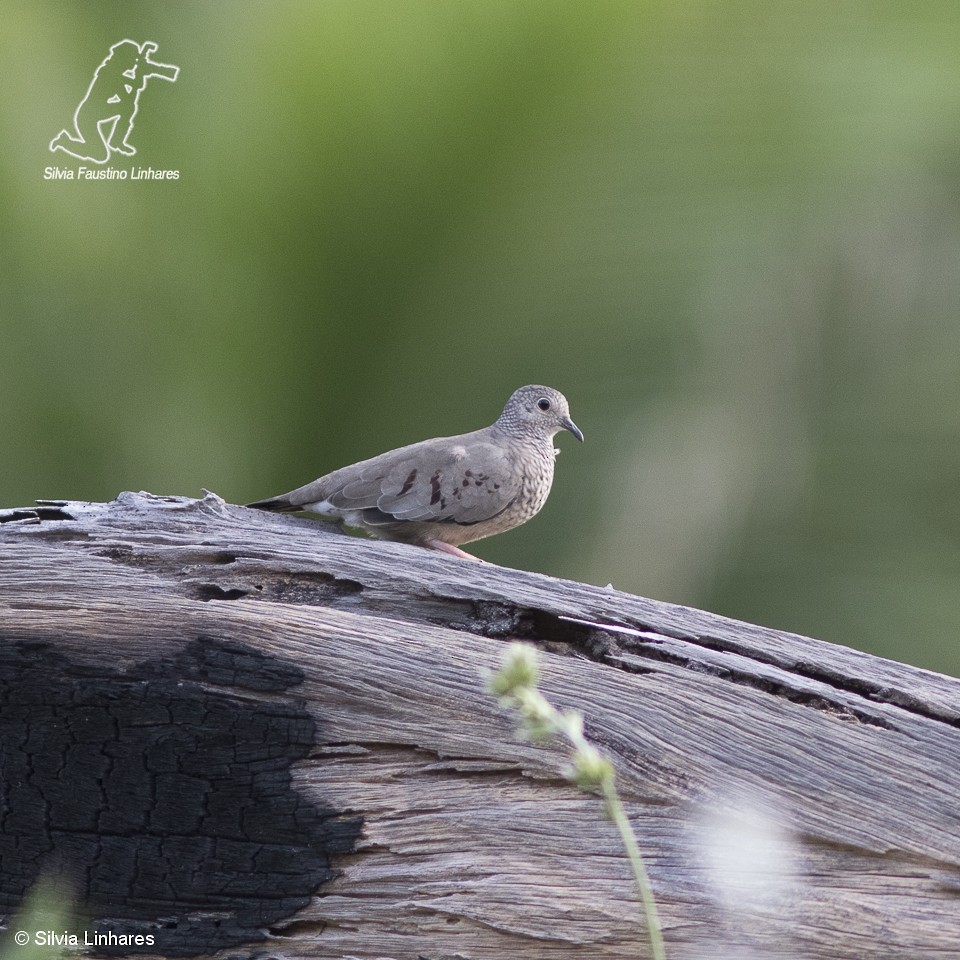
x: 543, y: 403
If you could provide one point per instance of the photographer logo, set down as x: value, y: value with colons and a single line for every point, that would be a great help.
x: 103, y: 122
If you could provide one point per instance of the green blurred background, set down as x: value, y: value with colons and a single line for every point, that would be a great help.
x: 730, y: 233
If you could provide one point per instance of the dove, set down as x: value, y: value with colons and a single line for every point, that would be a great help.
x: 448, y: 491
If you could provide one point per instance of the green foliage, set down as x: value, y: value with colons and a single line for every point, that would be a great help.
x: 45, y: 915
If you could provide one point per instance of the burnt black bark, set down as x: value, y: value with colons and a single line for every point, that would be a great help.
x: 160, y: 795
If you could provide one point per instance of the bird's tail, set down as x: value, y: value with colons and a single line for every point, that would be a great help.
x: 275, y: 505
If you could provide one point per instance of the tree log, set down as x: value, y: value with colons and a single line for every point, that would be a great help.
x: 248, y: 735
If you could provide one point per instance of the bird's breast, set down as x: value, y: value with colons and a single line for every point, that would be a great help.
x: 535, y: 483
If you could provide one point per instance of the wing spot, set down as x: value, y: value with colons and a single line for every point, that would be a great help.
x: 408, y: 483
x: 435, y: 489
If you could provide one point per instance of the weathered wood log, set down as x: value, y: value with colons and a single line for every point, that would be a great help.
x: 249, y: 735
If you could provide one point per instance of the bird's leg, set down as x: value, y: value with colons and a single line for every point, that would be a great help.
x: 451, y: 549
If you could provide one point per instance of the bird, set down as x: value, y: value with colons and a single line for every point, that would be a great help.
x: 448, y: 491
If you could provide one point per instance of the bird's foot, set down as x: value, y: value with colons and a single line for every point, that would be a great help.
x: 452, y: 550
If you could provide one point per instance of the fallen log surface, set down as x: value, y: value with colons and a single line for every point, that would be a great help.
x: 246, y: 735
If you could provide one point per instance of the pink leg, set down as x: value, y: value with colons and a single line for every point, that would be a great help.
x: 451, y: 549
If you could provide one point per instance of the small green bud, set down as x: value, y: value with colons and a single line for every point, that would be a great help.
x: 538, y: 715
x: 518, y: 671
x: 571, y: 725
x: 590, y: 768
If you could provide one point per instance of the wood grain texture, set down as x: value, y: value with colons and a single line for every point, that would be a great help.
x: 793, y: 799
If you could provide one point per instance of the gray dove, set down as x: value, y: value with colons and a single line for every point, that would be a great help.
x: 451, y: 490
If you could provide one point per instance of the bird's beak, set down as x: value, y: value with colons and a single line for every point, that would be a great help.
x: 568, y: 424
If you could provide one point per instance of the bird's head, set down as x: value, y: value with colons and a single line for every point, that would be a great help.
x: 539, y: 412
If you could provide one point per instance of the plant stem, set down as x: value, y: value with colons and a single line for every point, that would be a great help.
x: 619, y: 817
x: 516, y: 685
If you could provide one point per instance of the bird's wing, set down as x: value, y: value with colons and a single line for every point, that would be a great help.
x: 462, y: 480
